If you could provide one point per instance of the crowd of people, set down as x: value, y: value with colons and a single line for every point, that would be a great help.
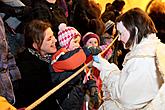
x: 44, y: 42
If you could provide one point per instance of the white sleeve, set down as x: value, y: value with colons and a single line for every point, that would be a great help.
x: 109, y: 74
x: 105, y: 67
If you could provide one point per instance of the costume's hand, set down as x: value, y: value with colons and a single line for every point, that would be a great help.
x: 96, y: 58
x: 100, y: 62
x: 95, y: 50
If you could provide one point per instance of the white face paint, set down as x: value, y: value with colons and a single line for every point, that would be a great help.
x: 124, y: 34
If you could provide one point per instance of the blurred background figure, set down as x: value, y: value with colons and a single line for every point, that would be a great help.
x: 118, y: 6
x: 9, y: 72
x: 157, y: 14
x: 87, y: 17
x: 108, y: 14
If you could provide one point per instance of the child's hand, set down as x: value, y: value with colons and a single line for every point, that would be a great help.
x: 95, y: 50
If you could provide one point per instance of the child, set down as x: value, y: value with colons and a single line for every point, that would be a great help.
x: 91, y: 39
x: 65, y: 62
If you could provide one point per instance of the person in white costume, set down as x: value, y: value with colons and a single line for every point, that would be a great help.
x: 137, y: 85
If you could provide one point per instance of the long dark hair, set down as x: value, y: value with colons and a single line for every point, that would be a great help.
x: 137, y: 18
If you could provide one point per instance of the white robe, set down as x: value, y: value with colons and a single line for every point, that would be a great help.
x: 136, y: 85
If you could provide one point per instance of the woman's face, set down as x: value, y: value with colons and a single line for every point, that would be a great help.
x: 92, y: 42
x: 48, y: 44
x: 124, y: 34
x: 74, y: 43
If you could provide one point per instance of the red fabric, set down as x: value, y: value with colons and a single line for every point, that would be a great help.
x: 96, y: 73
x: 70, y: 63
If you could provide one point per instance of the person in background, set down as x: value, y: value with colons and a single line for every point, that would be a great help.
x: 87, y: 18
x: 9, y: 72
x: 49, y: 11
x: 157, y: 14
x: 13, y: 13
x: 63, y: 4
x: 108, y: 14
x: 108, y: 37
x: 118, y: 6
x: 65, y: 62
x: 33, y: 64
x: 138, y: 83
x: 45, y: 10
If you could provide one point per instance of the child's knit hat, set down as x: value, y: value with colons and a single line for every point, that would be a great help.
x: 65, y: 34
x: 109, y: 24
x: 89, y: 35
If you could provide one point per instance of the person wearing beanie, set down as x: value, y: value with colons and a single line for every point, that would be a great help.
x: 66, y: 34
x: 65, y: 62
x: 109, y: 24
x: 91, y: 39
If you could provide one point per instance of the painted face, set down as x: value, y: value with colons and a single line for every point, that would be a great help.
x: 74, y: 43
x: 48, y: 44
x: 92, y: 42
x: 124, y: 34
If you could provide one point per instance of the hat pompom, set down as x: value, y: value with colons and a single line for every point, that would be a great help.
x: 62, y: 26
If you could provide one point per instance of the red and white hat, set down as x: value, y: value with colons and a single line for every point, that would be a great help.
x: 65, y: 34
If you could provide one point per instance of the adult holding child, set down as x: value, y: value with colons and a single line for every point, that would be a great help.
x: 33, y: 64
x: 65, y: 62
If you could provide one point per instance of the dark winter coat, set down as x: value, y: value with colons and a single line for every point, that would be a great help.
x: 71, y: 95
x: 35, y: 82
x: 49, y: 12
x: 9, y: 72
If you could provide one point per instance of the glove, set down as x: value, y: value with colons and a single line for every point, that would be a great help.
x: 96, y: 58
x: 94, y: 50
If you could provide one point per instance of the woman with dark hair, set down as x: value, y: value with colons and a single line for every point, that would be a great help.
x: 33, y: 64
x: 140, y: 81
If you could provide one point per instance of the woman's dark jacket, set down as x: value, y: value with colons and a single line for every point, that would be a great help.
x: 35, y: 82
